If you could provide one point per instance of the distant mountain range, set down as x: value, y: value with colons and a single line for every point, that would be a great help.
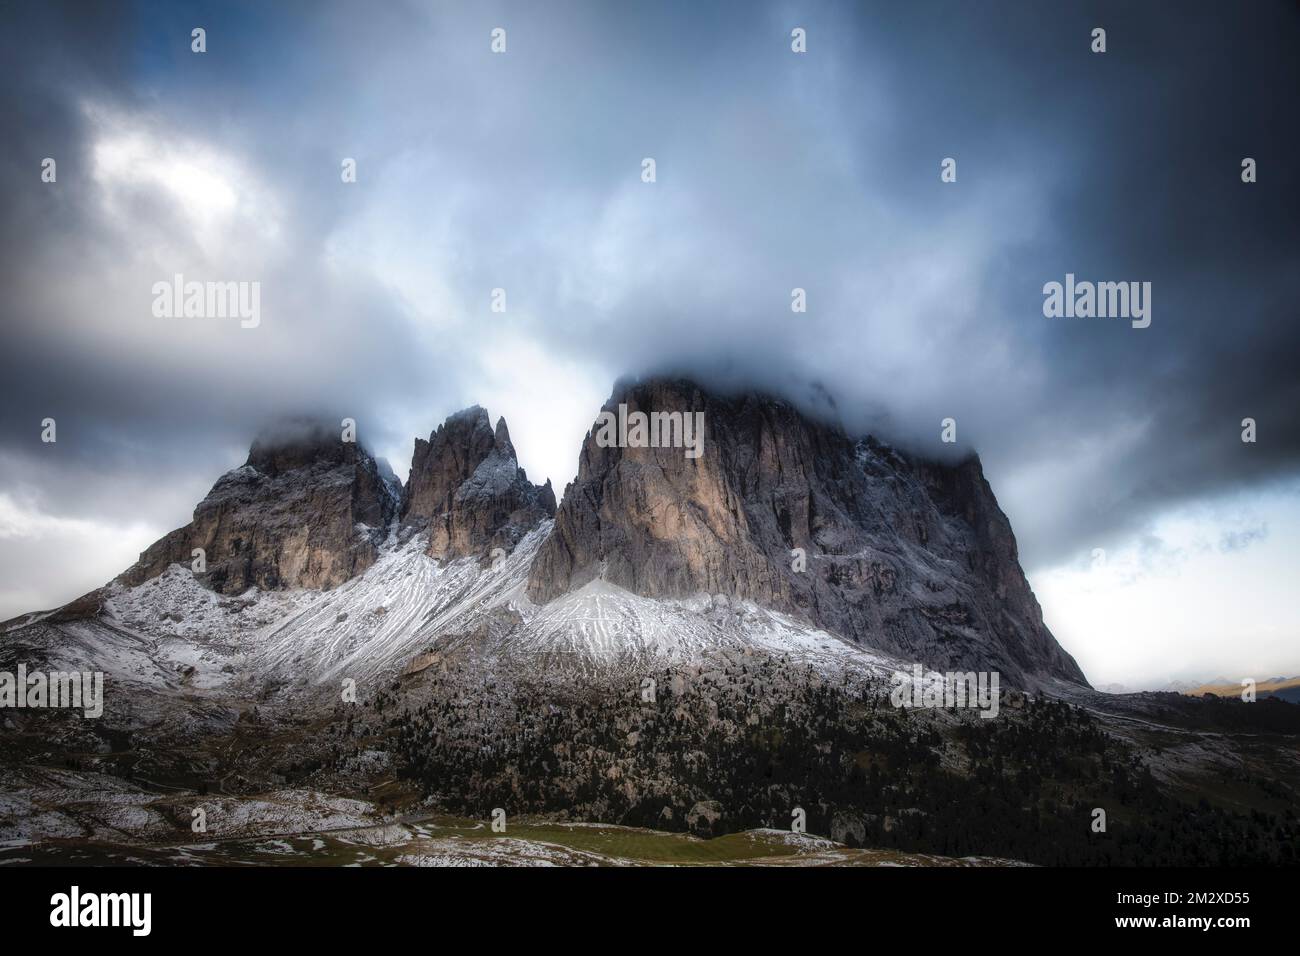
x: 1283, y: 688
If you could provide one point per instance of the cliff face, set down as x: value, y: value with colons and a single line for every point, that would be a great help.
x: 305, y: 510
x: 912, y: 557
x: 467, y: 488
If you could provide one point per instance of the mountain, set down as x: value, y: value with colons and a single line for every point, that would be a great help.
x: 306, y: 509
x: 467, y: 490
x: 1283, y: 688
x: 910, y: 557
x: 701, y: 636
x: 783, y: 527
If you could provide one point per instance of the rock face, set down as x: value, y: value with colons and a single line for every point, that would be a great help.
x: 912, y: 557
x: 305, y: 510
x: 467, y: 488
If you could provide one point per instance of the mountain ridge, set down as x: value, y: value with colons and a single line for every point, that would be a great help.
x: 890, y: 552
x: 432, y: 679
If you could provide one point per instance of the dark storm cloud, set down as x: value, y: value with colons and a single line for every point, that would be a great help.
x: 132, y: 418
x: 819, y: 171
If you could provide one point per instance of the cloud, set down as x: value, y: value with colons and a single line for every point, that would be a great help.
x: 1240, y: 540
x: 522, y: 171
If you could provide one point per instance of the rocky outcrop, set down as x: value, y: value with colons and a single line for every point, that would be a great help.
x: 306, y: 509
x: 912, y: 557
x: 467, y: 489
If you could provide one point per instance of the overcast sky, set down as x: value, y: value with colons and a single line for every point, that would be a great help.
x: 775, y: 170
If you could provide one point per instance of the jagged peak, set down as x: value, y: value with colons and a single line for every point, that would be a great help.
x: 502, y: 438
x: 467, y: 489
x: 475, y: 416
x: 468, y: 431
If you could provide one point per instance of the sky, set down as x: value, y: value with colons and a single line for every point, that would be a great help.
x: 1160, y: 544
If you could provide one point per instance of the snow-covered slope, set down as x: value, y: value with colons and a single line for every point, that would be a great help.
x: 170, y: 634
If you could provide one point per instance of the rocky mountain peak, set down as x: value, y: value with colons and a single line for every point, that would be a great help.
x: 909, y: 556
x: 307, y: 509
x: 502, y: 438
x: 296, y: 443
x: 467, y: 489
